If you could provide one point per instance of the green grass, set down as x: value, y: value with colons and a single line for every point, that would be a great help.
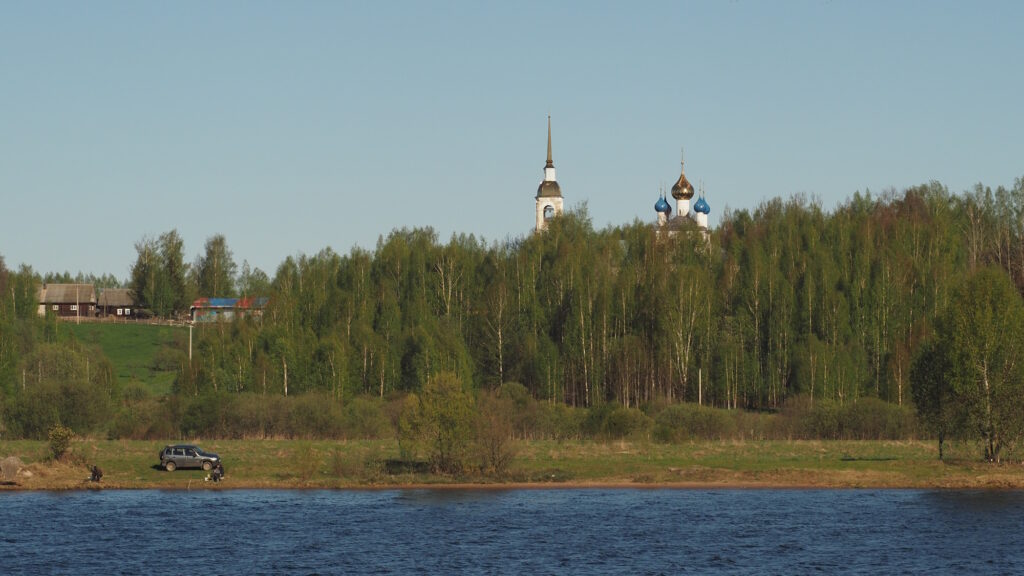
x: 359, y: 463
x: 132, y: 349
x: 249, y: 463
x: 787, y: 463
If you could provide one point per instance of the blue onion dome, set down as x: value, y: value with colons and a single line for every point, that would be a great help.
x: 702, y: 206
x: 661, y: 206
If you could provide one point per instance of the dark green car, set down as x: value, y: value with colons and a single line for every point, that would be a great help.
x: 187, y: 456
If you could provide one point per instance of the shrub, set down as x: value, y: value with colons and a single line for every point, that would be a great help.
x: 127, y: 424
x: 866, y: 419
x: 822, y: 421
x: 208, y: 415
x: 364, y: 417
x: 259, y: 416
x: 754, y: 425
x: 494, y: 425
x: 373, y: 466
x: 525, y: 412
x: 168, y: 359
x: 558, y: 421
x: 681, y: 422
x: 134, y: 393
x: 438, y: 422
x: 345, y: 465
x: 803, y: 419
x: 306, y: 462
x: 314, y: 415
x: 409, y: 430
x: 874, y: 419
x: 79, y: 404
x: 622, y: 422
x: 614, y: 421
x: 60, y: 440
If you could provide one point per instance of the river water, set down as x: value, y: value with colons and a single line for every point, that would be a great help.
x: 558, y: 531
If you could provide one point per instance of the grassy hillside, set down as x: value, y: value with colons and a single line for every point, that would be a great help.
x: 141, y: 353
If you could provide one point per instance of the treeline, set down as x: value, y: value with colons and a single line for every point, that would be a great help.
x: 785, y: 305
x: 99, y: 282
x: 786, y: 300
x: 164, y: 284
x: 45, y: 376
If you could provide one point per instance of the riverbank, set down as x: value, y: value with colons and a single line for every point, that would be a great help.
x: 370, y: 464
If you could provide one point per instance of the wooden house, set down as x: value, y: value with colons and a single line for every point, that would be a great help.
x: 67, y: 300
x: 116, y: 303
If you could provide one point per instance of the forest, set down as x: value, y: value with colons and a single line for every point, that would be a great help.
x: 784, y: 307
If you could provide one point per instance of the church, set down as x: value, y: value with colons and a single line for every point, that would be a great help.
x: 682, y: 192
x: 550, y: 202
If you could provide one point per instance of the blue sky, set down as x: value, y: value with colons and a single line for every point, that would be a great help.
x: 293, y: 126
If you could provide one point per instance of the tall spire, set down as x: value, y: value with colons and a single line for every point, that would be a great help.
x: 549, y: 194
x: 551, y: 163
x: 549, y: 169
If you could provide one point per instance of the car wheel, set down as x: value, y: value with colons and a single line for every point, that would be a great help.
x: 170, y: 466
x: 207, y: 465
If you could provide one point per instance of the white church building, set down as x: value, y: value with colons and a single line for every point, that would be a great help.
x: 682, y: 192
x: 549, y: 202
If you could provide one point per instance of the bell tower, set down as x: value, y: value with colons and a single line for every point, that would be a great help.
x: 549, y: 194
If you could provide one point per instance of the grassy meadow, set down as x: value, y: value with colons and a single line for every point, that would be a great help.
x: 142, y: 354
x: 369, y: 464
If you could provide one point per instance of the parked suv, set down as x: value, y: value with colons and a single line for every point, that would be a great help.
x: 187, y: 456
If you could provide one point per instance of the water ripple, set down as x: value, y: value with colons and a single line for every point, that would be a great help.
x: 512, y: 532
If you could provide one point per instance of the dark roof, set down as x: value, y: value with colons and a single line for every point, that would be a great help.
x: 67, y: 293
x: 116, y: 297
x: 681, y: 223
x: 677, y: 224
x: 549, y: 189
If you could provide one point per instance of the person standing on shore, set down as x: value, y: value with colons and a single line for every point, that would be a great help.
x: 218, y: 473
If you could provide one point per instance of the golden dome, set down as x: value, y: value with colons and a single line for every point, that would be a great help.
x: 682, y: 189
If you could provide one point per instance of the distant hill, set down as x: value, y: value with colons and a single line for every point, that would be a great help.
x: 141, y: 353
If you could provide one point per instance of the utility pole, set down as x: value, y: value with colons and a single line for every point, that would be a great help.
x: 700, y: 387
